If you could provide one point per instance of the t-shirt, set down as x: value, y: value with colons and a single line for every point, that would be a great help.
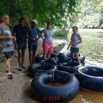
x: 7, y: 44
x: 21, y: 33
x: 75, y: 39
x: 48, y: 35
x: 33, y: 33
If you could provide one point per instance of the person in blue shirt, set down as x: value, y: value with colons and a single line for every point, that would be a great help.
x: 33, y: 37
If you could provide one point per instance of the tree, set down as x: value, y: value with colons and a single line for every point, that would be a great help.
x: 56, y: 11
x: 89, y: 16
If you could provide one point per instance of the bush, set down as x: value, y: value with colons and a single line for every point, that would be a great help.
x: 60, y: 33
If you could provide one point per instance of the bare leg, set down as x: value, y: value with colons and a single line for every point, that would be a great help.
x: 23, y: 56
x: 72, y: 55
x: 45, y: 56
x: 20, y: 57
x: 77, y: 56
x: 48, y: 56
x: 8, y: 62
x: 30, y: 56
x: 33, y: 57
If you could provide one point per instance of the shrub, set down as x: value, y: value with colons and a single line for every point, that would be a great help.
x: 60, y: 33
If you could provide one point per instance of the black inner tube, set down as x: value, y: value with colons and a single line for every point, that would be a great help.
x: 93, y: 71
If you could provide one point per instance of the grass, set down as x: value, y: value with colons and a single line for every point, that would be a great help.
x: 60, y: 33
x: 92, y: 45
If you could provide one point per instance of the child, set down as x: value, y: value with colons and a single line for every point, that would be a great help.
x: 47, y: 41
x: 74, y: 43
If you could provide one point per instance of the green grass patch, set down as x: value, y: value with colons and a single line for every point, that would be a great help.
x: 60, y: 33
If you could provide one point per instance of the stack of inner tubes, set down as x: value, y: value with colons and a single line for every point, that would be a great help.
x: 56, y: 69
x: 40, y: 57
x: 62, y: 68
x: 37, y: 68
x: 64, y: 62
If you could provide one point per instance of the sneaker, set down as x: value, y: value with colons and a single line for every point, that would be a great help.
x: 23, y: 67
x: 10, y: 76
x: 20, y: 68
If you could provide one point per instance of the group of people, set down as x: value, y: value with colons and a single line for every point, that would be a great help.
x: 22, y: 33
x: 29, y: 32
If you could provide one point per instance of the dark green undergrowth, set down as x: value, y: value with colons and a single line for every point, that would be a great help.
x: 60, y: 33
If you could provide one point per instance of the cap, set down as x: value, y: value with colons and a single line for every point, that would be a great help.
x: 34, y: 21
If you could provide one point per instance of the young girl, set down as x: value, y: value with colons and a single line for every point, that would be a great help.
x: 74, y: 43
x: 47, y: 41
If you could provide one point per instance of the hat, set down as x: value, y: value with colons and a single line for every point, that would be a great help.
x: 34, y: 21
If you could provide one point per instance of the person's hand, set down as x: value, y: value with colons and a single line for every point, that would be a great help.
x: 25, y: 19
x: 33, y: 39
x: 37, y: 38
x: 14, y: 38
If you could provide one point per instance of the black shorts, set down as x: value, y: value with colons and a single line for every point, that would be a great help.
x: 32, y: 47
x: 21, y: 46
x: 74, y: 50
x: 8, y: 54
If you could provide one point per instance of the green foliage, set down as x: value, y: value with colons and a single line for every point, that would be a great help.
x: 60, y: 33
x: 89, y: 16
x: 56, y: 11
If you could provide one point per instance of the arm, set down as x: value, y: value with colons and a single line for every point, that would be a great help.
x: 15, y: 43
x: 28, y: 25
x: 7, y: 37
x: 3, y: 37
x: 42, y: 31
x: 80, y: 40
x: 40, y: 35
x: 69, y: 44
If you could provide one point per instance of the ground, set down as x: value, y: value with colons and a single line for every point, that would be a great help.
x: 18, y: 90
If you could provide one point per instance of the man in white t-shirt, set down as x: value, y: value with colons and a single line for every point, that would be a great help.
x: 6, y: 41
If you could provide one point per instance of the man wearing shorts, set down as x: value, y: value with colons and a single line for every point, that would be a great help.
x: 33, y: 37
x: 6, y: 41
x: 20, y: 32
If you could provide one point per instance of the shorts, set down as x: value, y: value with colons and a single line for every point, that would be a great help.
x: 32, y: 47
x: 8, y: 54
x: 74, y: 49
x: 21, y: 46
x: 47, y: 47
